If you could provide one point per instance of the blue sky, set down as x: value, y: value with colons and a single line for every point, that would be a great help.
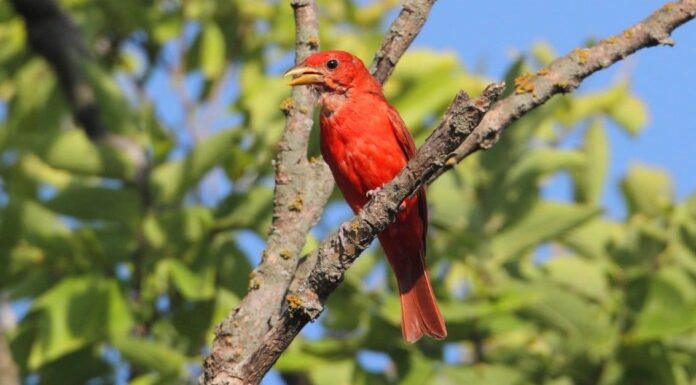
x: 487, y: 34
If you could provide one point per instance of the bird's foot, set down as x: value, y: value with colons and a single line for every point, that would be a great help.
x: 371, y: 193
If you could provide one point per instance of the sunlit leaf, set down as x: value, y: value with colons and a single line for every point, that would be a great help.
x: 546, y: 221
x: 151, y: 355
x: 97, y: 203
x: 481, y: 375
x: 75, y: 313
x: 589, y: 178
x: 212, y: 50
x: 171, y: 180
x: 670, y: 307
x: 647, y: 190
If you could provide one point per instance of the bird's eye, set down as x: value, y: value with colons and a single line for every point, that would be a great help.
x: 332, y: 64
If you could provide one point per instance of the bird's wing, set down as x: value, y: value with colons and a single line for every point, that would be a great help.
x: 403, y: 136
x: 408, y: 146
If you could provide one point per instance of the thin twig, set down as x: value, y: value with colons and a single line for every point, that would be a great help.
x: 403, y: 30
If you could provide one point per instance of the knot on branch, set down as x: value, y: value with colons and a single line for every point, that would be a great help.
x: 305, y: 303
x: 465, y: 113
x: 488, y: 139
x: 661, y: 37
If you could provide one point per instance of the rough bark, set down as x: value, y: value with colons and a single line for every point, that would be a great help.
x: 401, y: 33
x: 302, y: 189
x: 467, y: 126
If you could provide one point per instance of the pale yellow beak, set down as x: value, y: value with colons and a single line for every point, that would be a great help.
x: 304, y: 75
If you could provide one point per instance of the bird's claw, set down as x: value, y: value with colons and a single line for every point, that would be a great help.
x: 371, y: 193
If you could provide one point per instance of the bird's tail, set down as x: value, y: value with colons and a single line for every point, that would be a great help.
x: 420, y: 314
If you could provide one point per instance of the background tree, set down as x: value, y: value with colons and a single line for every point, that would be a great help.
x: 136, y: 146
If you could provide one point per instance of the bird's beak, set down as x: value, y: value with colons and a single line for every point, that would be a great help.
x: 304, y: 75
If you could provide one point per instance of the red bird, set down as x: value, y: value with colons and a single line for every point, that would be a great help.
x: 366, y: 143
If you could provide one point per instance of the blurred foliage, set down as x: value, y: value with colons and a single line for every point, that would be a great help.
x: 125, y: 283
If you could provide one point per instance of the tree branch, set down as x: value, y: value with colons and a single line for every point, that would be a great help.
x: 301, y: 190
x: 464, y: 129
x: 564, y: 74
x: 54, y: 36
x: 401, y: 33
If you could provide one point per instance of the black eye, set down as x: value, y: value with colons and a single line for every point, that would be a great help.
x: 332, y: 64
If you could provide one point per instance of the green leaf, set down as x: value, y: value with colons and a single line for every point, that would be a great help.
x: 251, y: 209
x: 540, y: 162
x: 417, y: 369
x: 333, y: 372
x: 546, y: 221
x: 74, y: 368
x: 592, y: 238
x: 73, y: 151
x: 629, y: 113
x: 518, y: 67
x: 37, y: 107
x: 176, y: 227
x: 171, y: 180
x: 670, y: 307
x: 481, y: 375
x: 114, y: 112
x: 77, y: 312
x: 151, y: 354
x: 212, y: 50
x: 296, y: 359
x: 590, y: 177
x: 647, y: 190
x: 192, y: 285
x: 28, y: 221
x: 97, y: 203
x: 586, y: 326
x: 580, y: 275
x: 626, y: 110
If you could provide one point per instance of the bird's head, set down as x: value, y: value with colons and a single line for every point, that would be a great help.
x: 333, y: 71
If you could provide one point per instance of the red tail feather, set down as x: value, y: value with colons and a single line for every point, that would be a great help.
x: 420, y: 314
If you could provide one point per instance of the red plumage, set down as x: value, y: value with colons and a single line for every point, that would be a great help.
x: 366, y: 143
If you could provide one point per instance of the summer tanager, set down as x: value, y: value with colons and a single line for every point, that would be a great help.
x: 366, y: 143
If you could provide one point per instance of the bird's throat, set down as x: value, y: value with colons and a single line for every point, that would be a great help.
x: 331, y: 102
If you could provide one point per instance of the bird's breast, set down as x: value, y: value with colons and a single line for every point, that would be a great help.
x: 359, y: 146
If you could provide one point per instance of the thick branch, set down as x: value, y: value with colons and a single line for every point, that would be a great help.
x: 454, y: 139
x: 53, y: 35
x: 302, y: 188
x: 403, y: 30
